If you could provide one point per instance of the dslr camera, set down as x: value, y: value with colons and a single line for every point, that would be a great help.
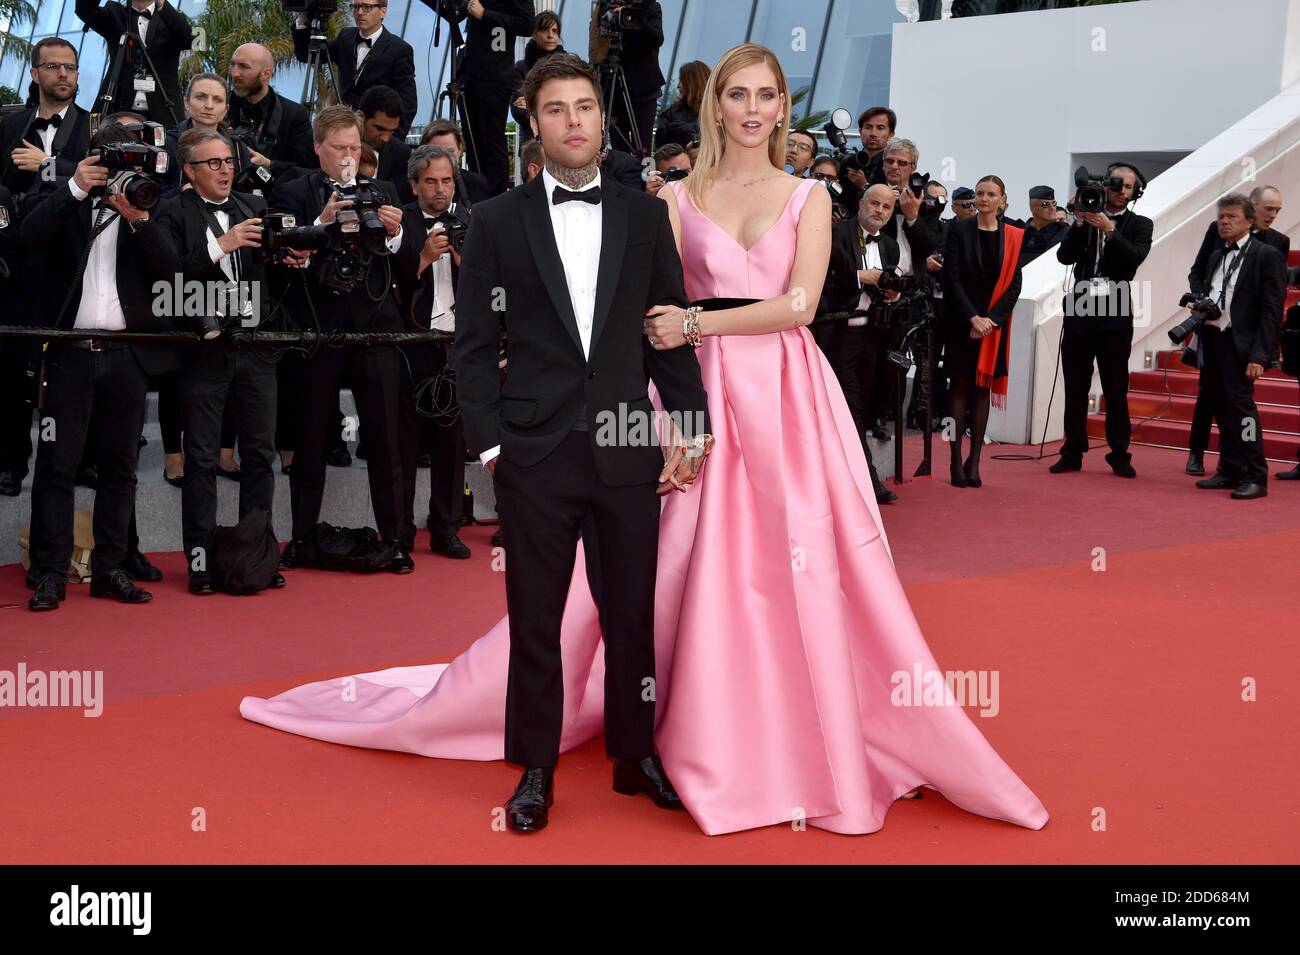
x: 1203, y: 309
x: 134, y: 167
x: 346, y: 245
x: 1090, y: 195
x: 616, y: 17
x: 841, y: 119
x: 453, y: 227
x: 674, y: 173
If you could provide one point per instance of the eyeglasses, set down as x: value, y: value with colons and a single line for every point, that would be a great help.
x: 58, y: 67
x: 798, y: 145
x: 215, y: 164
x: 965, y: 204
x: 1045, y: 203
x: 365, y: 7
x: 898, y: 162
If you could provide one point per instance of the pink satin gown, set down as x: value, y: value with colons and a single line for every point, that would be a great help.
x: 779, y: 617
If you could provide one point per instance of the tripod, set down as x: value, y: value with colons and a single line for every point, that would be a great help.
x: 318, y: 63
x: 900, y: 356
x: 454, y: 93
x: 104, y: 104
x: 615, y: 90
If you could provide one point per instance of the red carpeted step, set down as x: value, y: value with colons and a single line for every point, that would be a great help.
x: 1171, y: 358
x: 1181, y: 407
x: 1276, y: 391
x: 1174, y: 434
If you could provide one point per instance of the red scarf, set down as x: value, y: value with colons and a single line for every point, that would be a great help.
x: 987, y: 365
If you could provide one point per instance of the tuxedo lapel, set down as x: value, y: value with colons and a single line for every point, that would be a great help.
x: 613, y: 245
x: 72, y: 120
x: 546, y: 255
x: 348, y: 58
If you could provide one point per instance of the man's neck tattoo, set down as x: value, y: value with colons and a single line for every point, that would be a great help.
x: 574, y: 179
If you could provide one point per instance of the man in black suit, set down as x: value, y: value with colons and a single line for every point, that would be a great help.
x: 367, y: 305
x: 645, y: 78
x: 428, y: 266
x: 94, y: 388
x: 1246, y: 278
x: 380, y: 118
x: 278, y: 129
x: 877, y: 125
x: 471, y: 187
x: 1106, y: 248
x: 1267, y: 201
x: 488, y: 75
x: 165, y: 33
x: 214, y: 237
x: 367, y: 55
x: 859, y: 254
x: 573, y: 263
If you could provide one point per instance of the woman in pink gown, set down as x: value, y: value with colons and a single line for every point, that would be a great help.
x: 781, y: 627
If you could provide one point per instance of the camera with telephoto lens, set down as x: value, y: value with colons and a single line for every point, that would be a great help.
x: 1203, y: 309
x: 834, y: 129
x: 616, y: 17
x: 891, y: 281
x: 134, y: 171
x: 1090, y: 194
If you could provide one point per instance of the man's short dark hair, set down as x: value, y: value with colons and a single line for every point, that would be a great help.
x: 531, y: 154
x: 442, y: 127
x: 804, y: 132
x: 381, y: 99
x: 668, y: 151
x: 1239, y: 199
x: 38, y: 51
x: 111, y: 132
x: 559, y: 66
x: 890, y: 117
x: 1257, y: 193
x: 192, y: 139
x: 421, y: 156
x: 824, y: 160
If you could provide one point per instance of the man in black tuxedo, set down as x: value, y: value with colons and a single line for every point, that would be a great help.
x: 877, y: 125
x: 1246, y: 278
x: 575, y: 262
x: 214, y: 238
x: 1106, y: 248
x: 278, y: 130
x: 94, y: 388
x: 367, y: 55
x: 859, y: 254
x: 428, y: 267
x: 369, y: 305
x: 1267, y: 201
x: 471, y: 187
x: 166, y: 34
x: 380, y: 118
x: 645, y: 78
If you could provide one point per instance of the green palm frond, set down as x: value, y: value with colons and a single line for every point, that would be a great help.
x: 224, y: 25
x: 15, y: 14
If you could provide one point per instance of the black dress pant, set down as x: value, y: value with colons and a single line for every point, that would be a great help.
x: 854, y: 353
x: 215, y: 380
x: 1232, y: 395
x: 99, y: 393
x: 17, y: 393
x: 376, y: 384
x: 445, y: 441
x: 1202, y: 418
x: 543, y: 507
x: 1081, y: 346
x: 485, y: 145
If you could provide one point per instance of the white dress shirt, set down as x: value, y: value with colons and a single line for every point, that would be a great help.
x: 442, y: 318
x: 224, y: 259
x: 904, y: 247
x: 363, y: 50
x: 578, y: 228
x: 100, y: 308
x: 873, y: 262
x: 47, y: 135
x: 142, y: 23
x: 1224, y: 321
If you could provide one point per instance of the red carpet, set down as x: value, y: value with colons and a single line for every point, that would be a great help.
x: 1121, y: 695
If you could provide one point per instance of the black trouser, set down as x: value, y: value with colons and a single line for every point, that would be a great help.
x: 485, y: 115
x: 543, y: 507
x: 212, y: 380
x: 444, y: 439
x: 853, y: 352
x: 1232, y: 396
x: 1081, y: 346
x: 374, y: 373
x: 17, y: 391
x: 1202, y: 418
x: 643, y: 116
x: 101, y: 393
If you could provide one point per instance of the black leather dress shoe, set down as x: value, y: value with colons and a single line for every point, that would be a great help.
x: 339, y: 458
x: 277, y: 582
x: 233, y: 474
x: 497, y: 539
x: 11, y: 485
x: 175, y: 480
x: 1124, y: 469
x: 1195, y: 463
x: 1220, y: 482
x: 878, y: 431
x: 137, y: 567
x: 448, y: 545
x: 1063, y: 465
x: 884, y: 495
x: 1248, y: 491
x: 1292, y: 475
x: 646, y: 776
x: 119, y: 586
x: 202, y: 584
x: 401, y: 563
x: 50, y: 591
x: 299, y: 554
x: 526, y: 810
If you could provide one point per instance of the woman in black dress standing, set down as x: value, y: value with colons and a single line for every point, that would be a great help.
x: 981, y: 282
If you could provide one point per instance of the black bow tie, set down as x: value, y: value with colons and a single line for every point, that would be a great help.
x: 368, y: 43
x: 591, y: 195
x: 228, y: 207
x: 53, y: 122
x: 143, y: 13
x: 868, y: 238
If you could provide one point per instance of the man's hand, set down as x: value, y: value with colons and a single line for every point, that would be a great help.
x: 90, y: 175
x: 1254, y: 370
x: 869, y: 276
x: 246, y: 235
x: 980, y: 326
x: 933, y: 265
x: 436, y: 244
x: 336, y: 202
x: 521, y: 103
x: 27, y: 157
x: 1098, y: 220
x: 476, y: 9
x: 654, y: 182
x: 258, y: 158
x: 857, y: 177
x: 391, y: 217
x: 663, y: 326
x: 128, y: 212
x: 673, y: 477
x: 908, y: 203
x: 890, y: 296
x: 297, y: 258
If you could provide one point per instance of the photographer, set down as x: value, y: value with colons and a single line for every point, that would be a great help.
x: 488, y: 76
x: 366, y: 55
x: 1245, y: 280
x: 471, y: 187
x: 55, y: 127
x: 164, y: 32
x: 933, y: 206
x: 380, y: 117
x: 95, y: 257
x: 276, y: 130
x: 671, y: 159
x: 876, y: 126
x: 428, y: 267
x: 859, y: 255
x: 214, y: 236
x: 800, y: 148
x: 348, y: 289
x: 1106, y: 247
x: 640, y: 60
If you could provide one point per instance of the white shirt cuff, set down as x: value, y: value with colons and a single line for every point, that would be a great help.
x: 394, y: 242
x: 214, y: 249
x: 489, y: 454
x: 77, y: 192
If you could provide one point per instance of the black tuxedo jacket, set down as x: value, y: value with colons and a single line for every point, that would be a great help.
x: 1257, y: 299
x: 416, y: 293
x: 1123, y: 253
x: 489, y: 62
x: 56, y: 232
x: 842, y: 292
x: 640, y: 53
x: 390, y: 62
x: 169, y: 35
x: 1212, y: 243
x: 282, y: 132
x: 471, y: 187
x: 511, y: 258
x: 372, y: 305
x: 923, y: 236
x: 71, y: 142
x: 963, y: 270
x: 392, y: 168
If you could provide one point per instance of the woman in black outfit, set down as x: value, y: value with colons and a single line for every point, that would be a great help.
x: 680, y: 122
x: 544, y: 42
x: 981, y: 282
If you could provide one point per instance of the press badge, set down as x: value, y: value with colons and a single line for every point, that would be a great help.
x: 1099, y: 287
x: 145, y: 84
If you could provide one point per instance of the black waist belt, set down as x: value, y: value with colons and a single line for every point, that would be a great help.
x: 718, y: 304
x: 97, y: 344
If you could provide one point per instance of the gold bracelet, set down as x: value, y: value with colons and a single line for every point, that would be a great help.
x: 691, y: 326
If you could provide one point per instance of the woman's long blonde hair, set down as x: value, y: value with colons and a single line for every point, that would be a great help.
x: 713, y: 140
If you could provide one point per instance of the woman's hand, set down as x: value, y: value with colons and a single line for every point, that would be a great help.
x: 663, y: 326
x: 980, y: 326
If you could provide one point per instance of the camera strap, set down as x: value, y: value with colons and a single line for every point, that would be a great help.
x: 215, y: 225
x: 1232, y: 268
